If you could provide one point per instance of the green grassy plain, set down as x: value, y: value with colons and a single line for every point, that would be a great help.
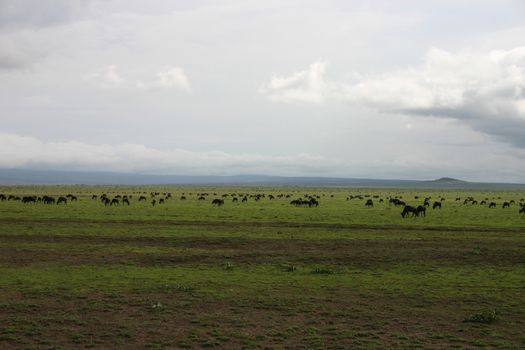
x: 262, y: 274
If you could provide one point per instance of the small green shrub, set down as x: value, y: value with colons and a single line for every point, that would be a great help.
x: 485, y: 317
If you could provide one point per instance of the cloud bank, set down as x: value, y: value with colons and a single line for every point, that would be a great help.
x: 18, y: 151
x: 28, y: 152
x: 486, y: 91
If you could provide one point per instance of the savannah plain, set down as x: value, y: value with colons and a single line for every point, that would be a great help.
x: 260, y: 274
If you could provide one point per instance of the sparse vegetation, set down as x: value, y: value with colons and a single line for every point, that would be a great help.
x: 486, y: 317
x: 186, y: 274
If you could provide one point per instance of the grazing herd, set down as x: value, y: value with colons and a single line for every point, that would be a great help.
x: 307, y: 200
x: 39, y: 199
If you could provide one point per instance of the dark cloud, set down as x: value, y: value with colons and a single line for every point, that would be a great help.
x: 27, y: 13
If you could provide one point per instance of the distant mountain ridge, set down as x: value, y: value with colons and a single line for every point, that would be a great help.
x: 449, y: 180
x: 58, y: 177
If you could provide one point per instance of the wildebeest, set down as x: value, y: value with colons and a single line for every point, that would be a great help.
x: 218, y: 202
x: 94, y: 197
x: 522, y: 210
x: 29, y: 199
x: 153, y: 202
x: 245, y: 199
x: 182, y: 198
x: 369, y: 203
x: 506, y: 205
x: 409, y: 210
x: 62, y: 200
x: 142, y: 198
x: 48, y: 200
x: 114, y: 201
x: 436, y: 205
x: 235, y: 199
x: 492, y: 205
x: 125, y: 201
x: 396, y: 202
x: 421, y: 210
x: 313, y: 202
x: 161, y: 201
x: 310, y: 202
x: 202, y: 198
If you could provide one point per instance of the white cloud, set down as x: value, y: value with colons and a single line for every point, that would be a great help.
x: 168, y: 78
x: 485, y: 90
x: 304, y: 86
x: 106, y: 77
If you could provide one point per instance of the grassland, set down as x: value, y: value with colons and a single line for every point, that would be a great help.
x: 262, y: 274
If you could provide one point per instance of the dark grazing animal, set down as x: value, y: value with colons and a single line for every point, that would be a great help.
x: 396, y: 202
x: 218, y: 202
x: 506, y: 205
x: 369, y: 203
x: 492, y: 205
x: 29, y: 199
x: 62, y: 200
x: 408, y: 209
x: 436, y: 205
x: 522, y: 210
x: 48, y: 200
x: 421, y: 210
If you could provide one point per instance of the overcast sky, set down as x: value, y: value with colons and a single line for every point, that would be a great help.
x: 381, y: 89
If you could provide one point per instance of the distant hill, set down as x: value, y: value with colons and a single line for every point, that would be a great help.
x: 56, y: 177
x: 449, y: 180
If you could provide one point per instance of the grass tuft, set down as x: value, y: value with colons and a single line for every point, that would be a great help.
x: 486, y: 317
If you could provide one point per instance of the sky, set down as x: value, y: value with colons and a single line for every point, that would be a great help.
x: 379, y: 89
